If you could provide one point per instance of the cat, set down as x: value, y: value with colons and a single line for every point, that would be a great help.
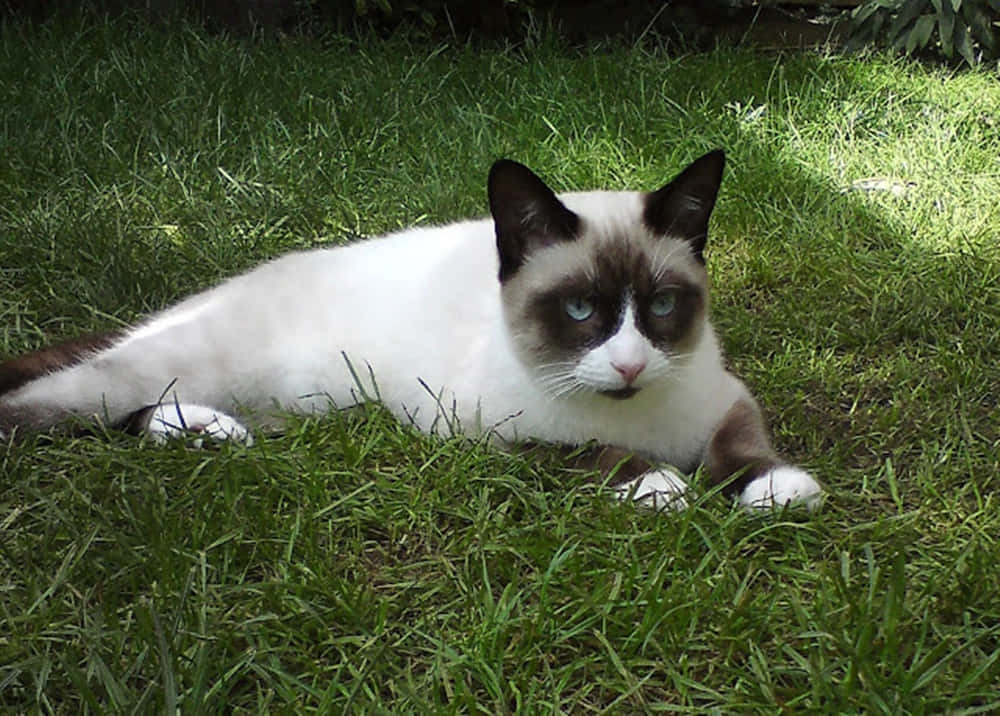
x: 579, y: 320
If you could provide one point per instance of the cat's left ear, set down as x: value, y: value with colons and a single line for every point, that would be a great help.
x: 682, y: 208
x: 527, y: 214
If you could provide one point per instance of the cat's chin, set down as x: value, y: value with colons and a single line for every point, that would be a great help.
x: 621, y: 393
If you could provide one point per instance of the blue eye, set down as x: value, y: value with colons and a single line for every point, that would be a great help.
x: 579, y: 309
x: 663, y: 304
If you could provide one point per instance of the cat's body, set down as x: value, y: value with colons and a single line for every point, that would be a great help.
x: 597, y: 331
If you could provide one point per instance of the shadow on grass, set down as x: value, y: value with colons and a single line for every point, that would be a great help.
x: 858, y: 308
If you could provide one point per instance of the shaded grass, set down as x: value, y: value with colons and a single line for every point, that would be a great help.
x: 352, y: 565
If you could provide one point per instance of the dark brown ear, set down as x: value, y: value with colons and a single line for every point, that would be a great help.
x: 526, y: 213
x: 681, y: 208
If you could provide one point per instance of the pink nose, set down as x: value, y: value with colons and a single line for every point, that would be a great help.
x: 629, y: 371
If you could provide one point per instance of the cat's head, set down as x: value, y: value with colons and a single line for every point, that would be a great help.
x: 603, y: 292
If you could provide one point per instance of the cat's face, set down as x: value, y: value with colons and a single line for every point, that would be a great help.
x: 611, y: 297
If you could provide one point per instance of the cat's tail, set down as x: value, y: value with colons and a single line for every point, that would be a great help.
x: 15, y: 372
x: 18, y: 372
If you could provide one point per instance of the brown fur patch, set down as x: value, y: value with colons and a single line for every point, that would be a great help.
x: 17, y: 371
x: 137, y: 422
x: 607, y: 461
x: 619, y: 464
x: 740, y: 443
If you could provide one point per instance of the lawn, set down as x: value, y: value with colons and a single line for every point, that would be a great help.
x: 352, y: 565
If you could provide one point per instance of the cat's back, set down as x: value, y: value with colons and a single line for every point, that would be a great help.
x: 384, y: 297
x: 457, y: 258
x: 375, y: 278
x: 407, y: 255
x: 371, y: 295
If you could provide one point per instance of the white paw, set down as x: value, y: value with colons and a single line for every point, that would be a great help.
x: 661, y: 489
x: 785, y: 485
x: 172, y: 420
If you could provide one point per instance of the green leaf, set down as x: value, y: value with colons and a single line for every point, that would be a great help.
x: 946, y: 29
x: 859, y: 38
x: 878, y: 22
x: 863, y: 12
x: 920, y: 35
x: 909, y: 13
x: 963, y: 45
x: 979, y: 26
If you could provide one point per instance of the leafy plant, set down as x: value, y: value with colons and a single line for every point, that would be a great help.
x: 954, y: 28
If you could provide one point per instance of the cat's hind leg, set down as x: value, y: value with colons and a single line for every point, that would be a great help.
x: 168, y: 421
x: 114, y: 390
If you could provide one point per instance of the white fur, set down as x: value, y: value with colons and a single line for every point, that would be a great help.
x: 627, y: 347
x: 783, y: 486
x: 173, y: 420
x: 661, y: 489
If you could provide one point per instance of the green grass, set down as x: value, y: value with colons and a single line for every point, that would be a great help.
x: 351, y: 565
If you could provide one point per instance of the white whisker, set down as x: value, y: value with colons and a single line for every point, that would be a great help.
x: 662, y: 260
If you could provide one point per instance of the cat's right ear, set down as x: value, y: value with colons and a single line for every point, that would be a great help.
x: 526, y: 213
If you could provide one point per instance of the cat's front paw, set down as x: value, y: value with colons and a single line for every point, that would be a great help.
x: 169, y: 421
x: 661, y: 489
x: 783, y: 486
